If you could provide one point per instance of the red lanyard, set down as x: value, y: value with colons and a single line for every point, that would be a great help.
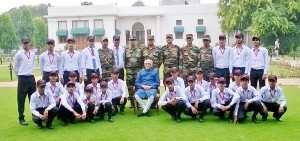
x: 42, y: 98
x: 272, y: 92
x: 222, y: 50
x: 92, y: 51
x: 103, y: 95
x: 173, y: 94
x: 95, y: 89
x: 239, y: 50
x: 222, y: 95
x: 238, y: 85
x: 115, y: 85
x: 256, y: 51
x: 245, y: 94
x: 51, y: 57
x: 193, y: 93
x: 72, y: 99
x: 71, y: 54
x: 53, y: 87
x: 28, y: 56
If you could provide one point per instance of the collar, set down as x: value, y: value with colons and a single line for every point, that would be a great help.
x: 222, y: 48
x: 51, y: 53
x: 39, y: 95
x: 269, y: 88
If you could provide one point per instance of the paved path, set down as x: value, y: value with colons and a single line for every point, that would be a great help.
x: 293, y: 63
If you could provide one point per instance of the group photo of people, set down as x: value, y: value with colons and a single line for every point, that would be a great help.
x: 98, y: 84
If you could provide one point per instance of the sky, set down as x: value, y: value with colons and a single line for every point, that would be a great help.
x: 6, y: 5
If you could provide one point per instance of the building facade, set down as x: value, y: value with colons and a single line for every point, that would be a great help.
x: 108, y: 20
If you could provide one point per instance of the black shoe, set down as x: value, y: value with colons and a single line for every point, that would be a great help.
x: 178, y: 120
x: 264, y: 118
x: 279, y: 119
x: 141, y: 114
x: 201, y: 119
x: 64, y: 123
x: 23, y: 122
x: 50, y: 126
x: 255, y: 120
x: 73, y: 121
x: 92, y: 121
x: 122, y: 112
x: 148, y: 114
x: 111, y: 120
x: 40, y: 126
x: 194, y: 117
x: 230, y: 120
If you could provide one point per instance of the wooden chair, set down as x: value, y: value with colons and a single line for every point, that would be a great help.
x: 136, y: 106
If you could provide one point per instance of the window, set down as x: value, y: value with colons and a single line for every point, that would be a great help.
x: 127, y: 32
x: 178, y: 22
x: 200, y: 21
x: 200, y: 35
x: 179, y: 35
x: 148, y: 32
x: 98, y: 38
x: 62, y: 39
x: 62, y: 25
x: 98, y: 23
x: 80, y: 24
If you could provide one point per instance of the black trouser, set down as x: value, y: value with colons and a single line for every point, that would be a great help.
x: 175, y: 110
x: 242, y: 113
x: 90, y: 110
x: 26, y: 86
x: 242, y: 71
x: 67, y: 115
x: 107, y: 107
x: 67, y: 74
x: 273, y: 107
x: 218, y: 112
x: 223, y: 73
x: 88, y: 75
x: 116, y: 102
x: 51, y: 115
x: 121, y: 74
x: 201, y: 107
x: 256, y: 75
x: 46, y: 76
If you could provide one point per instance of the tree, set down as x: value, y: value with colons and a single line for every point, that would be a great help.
x: 267, y: 18
x: 8, y: 38
x: 138, y: 3
x: 25, y: 26
x: 39, y: 37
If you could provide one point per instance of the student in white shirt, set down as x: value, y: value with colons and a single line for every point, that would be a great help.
x: 237, y: 83
x: 95, y: 84
x: 55, y: 88
x: 71, y: 106
x: 178, y: 81
x: 118, y: 88
x: 89, y: 102
x: 200, y: 81
x: 73, y: 78
x: 269, y: 97
x: 103, y: 103
x: 173, y: 100
x: 42, y: 106
x: 198, y: 100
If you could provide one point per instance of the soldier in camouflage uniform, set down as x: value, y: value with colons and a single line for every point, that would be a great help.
x: 133, y: 64
x: 205, y: 58
x: 107, y: 59
x: 188, y: 59
x: 170, y: 55
x: 152, y: 52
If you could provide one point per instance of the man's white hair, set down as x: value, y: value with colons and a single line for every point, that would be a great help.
x: 148, y: 61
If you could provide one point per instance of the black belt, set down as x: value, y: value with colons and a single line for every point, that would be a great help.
x: 25, y: 76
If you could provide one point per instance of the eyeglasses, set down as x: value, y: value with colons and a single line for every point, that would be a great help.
x: 150, y: 39
x: 117, y: 40
x: 169, y: 37
x: 91, y: 40
x: 50, y: 44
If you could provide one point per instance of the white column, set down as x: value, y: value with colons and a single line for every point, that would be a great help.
x: 109, y: 26
x: 157, y: 36
x: 91, y: 26
x: 69, y: 27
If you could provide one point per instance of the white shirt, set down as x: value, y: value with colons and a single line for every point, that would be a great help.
x: 259, y: 59
x: 68, y: 100
x: 234, y: 86
x: 78, y: 88
x: 56, y: 89
x: 96, y: 89
x: 240, y: 57
x: 118, y: 88
x: 38, y: 101
x: 121, y: 53
x: 221, y: 57
x: 269, y: 96
x: 103, y: 98
x: 24, y: 62
x: 87, y: 60
x: 218, y: 98
x: 70, y: 61
x: 86, y: 101
x: 202, y: 83
x: 178, y: 93
x: 210, y: 87
x: 50, y: 62
x: 178, y: 82
x: 250, y: 95
x: 196, y: 94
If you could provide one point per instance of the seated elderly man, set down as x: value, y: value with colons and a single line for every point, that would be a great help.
x: 146, y: 84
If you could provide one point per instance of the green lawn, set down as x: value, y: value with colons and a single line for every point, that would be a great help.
x: 155, y: 128
x: 5, y: 74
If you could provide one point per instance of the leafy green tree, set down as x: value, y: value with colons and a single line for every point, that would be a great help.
x: 8, y: 38
x: 39, y: 32
x: 25, y: 25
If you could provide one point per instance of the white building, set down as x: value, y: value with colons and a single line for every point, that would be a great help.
x: 108, y: 20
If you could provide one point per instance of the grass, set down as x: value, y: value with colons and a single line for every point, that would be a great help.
x: 155, y: 128
x: 5, y: 74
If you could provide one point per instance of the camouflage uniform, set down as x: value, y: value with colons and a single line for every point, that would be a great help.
x: 206, y: 61
x: 188, y: 62
x: 107, y: 61
x: 154, y: 54
x: 133, y: 64
x: 170, y: 58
